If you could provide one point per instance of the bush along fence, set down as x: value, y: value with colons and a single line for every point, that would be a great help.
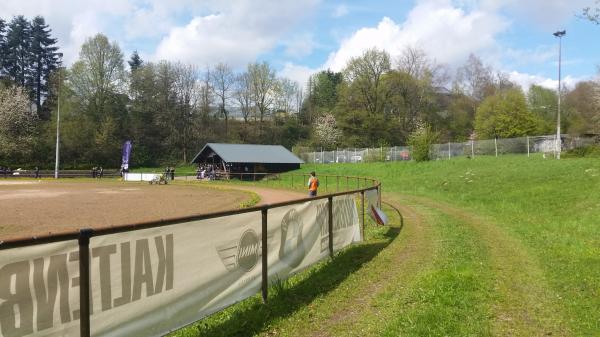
x: 489, y: 147
x: 148, y: 279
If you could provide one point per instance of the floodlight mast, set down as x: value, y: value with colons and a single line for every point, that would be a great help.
x: 559, y: 35
x: 57, y: 157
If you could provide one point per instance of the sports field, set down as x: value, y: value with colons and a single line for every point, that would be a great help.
x: 30, y: 207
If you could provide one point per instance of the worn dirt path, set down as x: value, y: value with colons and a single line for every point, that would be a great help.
x: 523, y: 305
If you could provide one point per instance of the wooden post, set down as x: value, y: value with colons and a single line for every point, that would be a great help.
x: 326, y: 183
x: 337, y: 188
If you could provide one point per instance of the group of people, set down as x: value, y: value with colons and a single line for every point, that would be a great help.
x: 170, y: 173
x: 97, y: 172
x: 206, y: 172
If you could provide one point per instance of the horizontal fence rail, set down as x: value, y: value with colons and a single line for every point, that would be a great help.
x: 488, y: 147
x: 140, y: 260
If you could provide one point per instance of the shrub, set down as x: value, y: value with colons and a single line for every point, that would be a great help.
x: 421, y: 141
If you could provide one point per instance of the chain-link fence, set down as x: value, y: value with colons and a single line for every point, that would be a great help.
x: 488, y: 147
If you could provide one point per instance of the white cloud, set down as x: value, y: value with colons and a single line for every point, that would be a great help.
x: 526, y: 80
x: 297, y: 73
x: 340, y: 11
x: 444, y: 32
x: 238, y: 33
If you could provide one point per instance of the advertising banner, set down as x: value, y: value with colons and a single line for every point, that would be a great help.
x: 152, y: 281
x: 372, y: 198
x: 125, y: 155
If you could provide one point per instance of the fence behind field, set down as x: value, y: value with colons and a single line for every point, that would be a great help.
x: 488, y: 147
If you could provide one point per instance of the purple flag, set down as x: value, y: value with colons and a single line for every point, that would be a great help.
x: 125, y: 155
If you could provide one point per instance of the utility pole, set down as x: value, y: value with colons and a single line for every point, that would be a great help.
x: 559, y: 35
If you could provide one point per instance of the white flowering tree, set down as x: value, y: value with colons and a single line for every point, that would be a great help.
x: 326, y: 132
x: 17, y: 124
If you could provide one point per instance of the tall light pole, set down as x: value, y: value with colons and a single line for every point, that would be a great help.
x: 56, y: 161
x: 559, y: 35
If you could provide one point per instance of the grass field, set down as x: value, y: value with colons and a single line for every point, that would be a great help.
x: 505, y: 246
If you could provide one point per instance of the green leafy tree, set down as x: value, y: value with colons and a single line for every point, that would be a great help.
x: 505, y: 115
x: 364, y: 77
x: 542, y: 103
x: 581, y: 107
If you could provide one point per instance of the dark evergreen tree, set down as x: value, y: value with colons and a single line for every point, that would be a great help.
x: 2, y: 47
x: 135, y: 62
x: 44, y: 60
x: 17, y: 51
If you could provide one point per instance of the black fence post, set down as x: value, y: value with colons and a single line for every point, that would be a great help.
x: 265, y: 271
x: 330, y: 225
x: 84, y: 282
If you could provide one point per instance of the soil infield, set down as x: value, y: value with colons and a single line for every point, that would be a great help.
x: 33, y: 208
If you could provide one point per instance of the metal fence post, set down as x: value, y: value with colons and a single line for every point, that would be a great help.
x: 84, y: 282
x: 527, y: 146
x: 472, y: 149
x: 449, y: 153
x: 330, y: 225
x: 265, y: 274
x: 496, y: 145
x: 362, y: 212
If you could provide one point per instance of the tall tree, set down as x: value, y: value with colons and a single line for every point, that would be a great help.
x: 17, y: 51
x: 263, y: 82
x: 44, y: 60
x: 98, y: 73
x: 364, y: 74
x: 222, y: 79
x: 3, y: 48
x: 243, y: 94
x: 475, y: 79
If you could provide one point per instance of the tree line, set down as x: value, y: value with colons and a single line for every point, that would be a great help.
x: 169, y: 110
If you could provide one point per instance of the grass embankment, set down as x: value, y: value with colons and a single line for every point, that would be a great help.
x: 492, y: 246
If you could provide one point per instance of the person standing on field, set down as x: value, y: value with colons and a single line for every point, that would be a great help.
x: 313, y: 185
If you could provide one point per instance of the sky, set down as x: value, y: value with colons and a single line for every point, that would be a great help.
x: 301, y: 37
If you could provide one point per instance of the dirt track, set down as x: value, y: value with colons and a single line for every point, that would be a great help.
x: 30, y: 208
x: 37, y: 208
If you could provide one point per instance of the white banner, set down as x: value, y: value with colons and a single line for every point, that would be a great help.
x: 152, y: 281
x: 140, y: 176
x: 372, y: 197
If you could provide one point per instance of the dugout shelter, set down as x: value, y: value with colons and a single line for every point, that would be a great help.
x: 248, y: 158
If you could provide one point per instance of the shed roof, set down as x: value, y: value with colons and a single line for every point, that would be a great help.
x: 250, y: 153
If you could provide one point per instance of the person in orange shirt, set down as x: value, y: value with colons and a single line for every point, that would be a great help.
x: 313, y: 185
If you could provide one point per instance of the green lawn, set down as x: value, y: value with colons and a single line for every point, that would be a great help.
x: 506, y: 246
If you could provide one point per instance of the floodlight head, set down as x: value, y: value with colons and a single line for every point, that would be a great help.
x: 560, y: 33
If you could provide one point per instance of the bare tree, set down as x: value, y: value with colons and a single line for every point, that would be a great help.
x: 415, y: 63
x: 187, y: 95
x: 243, y: 94
x: 592, y: 13
x: 222, y: 79
x: 286, y: 95
x: 476, y: 79
x: 263, y: 82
